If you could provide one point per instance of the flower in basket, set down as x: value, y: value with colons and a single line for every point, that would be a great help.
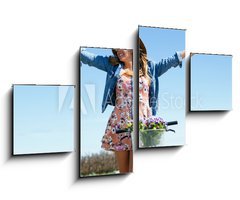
x: 152, y: 123
x: 151, y: 130
x: 128, y: 125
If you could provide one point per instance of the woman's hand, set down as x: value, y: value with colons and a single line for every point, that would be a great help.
x: 183, y: 54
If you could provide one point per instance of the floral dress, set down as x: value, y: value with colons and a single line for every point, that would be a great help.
x: 120, y: 117
x: 144, y: 109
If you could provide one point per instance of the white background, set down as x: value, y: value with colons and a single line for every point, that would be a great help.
x: 39, y: 43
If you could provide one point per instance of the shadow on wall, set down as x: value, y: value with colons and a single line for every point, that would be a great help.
x: 10, y: 125
x: 77, y: 101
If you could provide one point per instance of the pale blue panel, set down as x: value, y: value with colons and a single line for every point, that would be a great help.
x: 211, y: 82
x: 43, y: 119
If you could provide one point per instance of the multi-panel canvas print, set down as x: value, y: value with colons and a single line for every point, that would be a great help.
x: 161, y: 53
x: 106, y: 120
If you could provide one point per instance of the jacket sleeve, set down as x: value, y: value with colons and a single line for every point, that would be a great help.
x: 166, y: 64
x: 100, y: 62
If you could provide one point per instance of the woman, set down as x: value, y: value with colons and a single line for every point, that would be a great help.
x: 148, y: 79
x: 119, y: 93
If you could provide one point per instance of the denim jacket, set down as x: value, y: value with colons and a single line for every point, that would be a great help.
x: 155, y: 70
x: 113, y: 73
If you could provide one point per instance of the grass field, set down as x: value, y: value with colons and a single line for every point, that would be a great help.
x: 97, y: 164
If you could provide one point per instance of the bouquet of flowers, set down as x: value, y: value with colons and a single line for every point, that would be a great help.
x: 151, y: 131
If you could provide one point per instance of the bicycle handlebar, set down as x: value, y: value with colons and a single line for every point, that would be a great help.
x: 171, y: 123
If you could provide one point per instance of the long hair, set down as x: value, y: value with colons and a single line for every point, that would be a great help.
x: 114, y: 60
x: 143, y: 61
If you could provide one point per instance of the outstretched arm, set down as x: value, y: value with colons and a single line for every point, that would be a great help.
x: 100, y: 62
x: 166, y: 64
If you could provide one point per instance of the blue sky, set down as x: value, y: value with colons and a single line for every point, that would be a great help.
x: 43, y: 119
x: 160, y: 44
x: 93, y: 121
x: 211, y: 82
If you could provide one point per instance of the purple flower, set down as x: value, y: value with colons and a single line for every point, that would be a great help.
x: 119, y: 148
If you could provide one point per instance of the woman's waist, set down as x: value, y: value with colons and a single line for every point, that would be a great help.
x: 144, y: 100
x: 122, y: 107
